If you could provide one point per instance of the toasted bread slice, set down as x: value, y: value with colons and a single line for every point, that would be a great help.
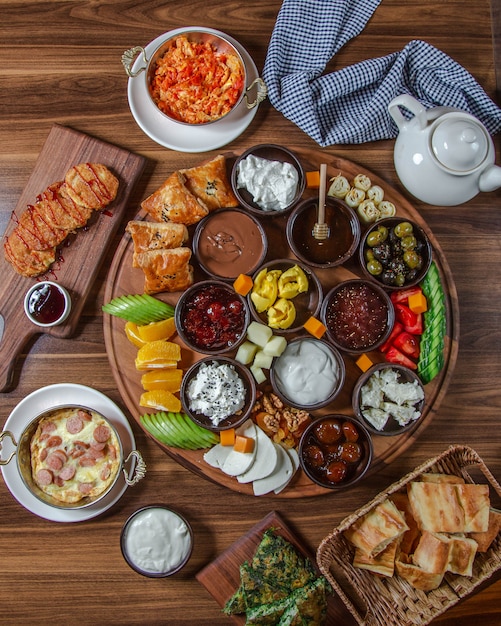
x: 91, y: 185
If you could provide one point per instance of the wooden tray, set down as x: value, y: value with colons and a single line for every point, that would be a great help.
x: 63, y: 148
x: 123, y: 279
x: 221, y: 578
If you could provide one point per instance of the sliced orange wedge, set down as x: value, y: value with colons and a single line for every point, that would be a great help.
x: 164, y: 329
x: 132, y: 334
x: 160, y: 400
x: 158, y: 354
x: 168, y: 379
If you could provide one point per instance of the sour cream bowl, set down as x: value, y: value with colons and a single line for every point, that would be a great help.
x: 309, y: 374
x: 215, y: 386
x: 268, y: 180
x: 156, y: 541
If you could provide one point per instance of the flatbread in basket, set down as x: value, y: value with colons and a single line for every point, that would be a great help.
x: 377, y: 600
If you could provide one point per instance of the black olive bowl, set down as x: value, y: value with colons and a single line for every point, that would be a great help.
x: 392, y: 426
x: 383, y: 333
x: 271, y: 152
x: 316, y: 457
x: 391, y: 266
x: 186, y: 303
x: 232, y: 421
x: 306, y: 304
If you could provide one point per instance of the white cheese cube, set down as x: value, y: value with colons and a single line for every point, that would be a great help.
x: 275, y: 346
x: 246, y: 352
x: 259, y: 334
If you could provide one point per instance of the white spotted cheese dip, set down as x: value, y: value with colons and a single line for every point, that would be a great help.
x: 272, y: 184
x: 216, y: 391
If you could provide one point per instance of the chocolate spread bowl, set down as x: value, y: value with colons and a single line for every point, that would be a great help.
x: 23, y: 460
x: 218, y: 43
x: 229, y: 242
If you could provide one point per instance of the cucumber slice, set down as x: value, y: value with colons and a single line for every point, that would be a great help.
x: 431, y: 358
x: 139, y: 308
x: 202, y: 437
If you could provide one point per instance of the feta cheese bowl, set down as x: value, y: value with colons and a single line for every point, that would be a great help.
x: 388, y: 399
x: 268, y: 180
x: 218, y: 393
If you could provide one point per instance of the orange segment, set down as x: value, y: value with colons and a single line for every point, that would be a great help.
x: 169, y: 379
x: 132, y: 334
x: 158, y: 354
x: 164, y: 329
x: 160, y: 400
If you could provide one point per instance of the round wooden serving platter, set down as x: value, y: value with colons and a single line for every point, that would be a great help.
x: 123, y: 279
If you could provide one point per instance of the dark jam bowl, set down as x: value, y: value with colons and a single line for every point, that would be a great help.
x: 232, y: 421
x: 335, y: 451
x: 47, y: 304
x: 211, y: 318
x: 344, y: 233
x: 358, y: 315
x: 389, y: 266
x: 270, y: 152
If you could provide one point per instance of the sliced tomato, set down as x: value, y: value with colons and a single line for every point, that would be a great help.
x: 408, y: 344
x: 401, y: 296
x: 412, y: 322
x: 395, y: 356
x: 396, y: 330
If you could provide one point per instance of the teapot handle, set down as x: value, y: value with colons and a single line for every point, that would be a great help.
x: 412, y: 105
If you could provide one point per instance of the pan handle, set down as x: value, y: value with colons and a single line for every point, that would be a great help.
x: 261, y: 94
x: 139, y: 470
x: 7, y: 433
x: 129, y: 57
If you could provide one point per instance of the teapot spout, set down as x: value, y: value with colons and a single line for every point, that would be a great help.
x: 490, y: 179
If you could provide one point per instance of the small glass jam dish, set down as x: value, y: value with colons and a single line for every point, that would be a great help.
x: 47, y: 304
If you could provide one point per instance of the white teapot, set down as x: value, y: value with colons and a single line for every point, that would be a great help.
x: 442, y: 156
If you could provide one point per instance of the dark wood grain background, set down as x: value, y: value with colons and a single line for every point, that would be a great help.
x: 60, y: 63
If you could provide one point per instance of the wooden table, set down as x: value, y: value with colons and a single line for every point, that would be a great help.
x: 61, y: 64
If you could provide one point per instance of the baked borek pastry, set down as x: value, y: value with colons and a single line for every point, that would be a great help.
x: 156, y: 235
x: 165, y: 270
x: 173, y: 202
x: 209, y: 182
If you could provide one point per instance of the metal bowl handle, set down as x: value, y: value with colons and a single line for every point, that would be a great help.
x: 139, y: 470
x: 7, y: 433
x: 130, y: 56
x: 262, y: 92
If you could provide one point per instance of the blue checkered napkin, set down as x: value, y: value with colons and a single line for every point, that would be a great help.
x: 350, y: 105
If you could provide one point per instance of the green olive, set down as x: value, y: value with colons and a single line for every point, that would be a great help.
x: 374, y: 238
x: 411, y: 259
x: 409, y: 242
x: 369, y: 254
x: 374, y: 267
x: 383, y: 231
x: 403, y: 229
x: 399, y: 280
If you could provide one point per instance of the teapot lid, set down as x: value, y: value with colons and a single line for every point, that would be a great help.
x: 460, y: 143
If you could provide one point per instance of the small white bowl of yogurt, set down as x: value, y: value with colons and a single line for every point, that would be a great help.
x: 156, y: 541
x: 268, y: 180
x: 309, y: 374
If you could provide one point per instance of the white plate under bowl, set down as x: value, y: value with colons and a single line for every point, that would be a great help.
x: 33, y: 405
x: 183, y: 137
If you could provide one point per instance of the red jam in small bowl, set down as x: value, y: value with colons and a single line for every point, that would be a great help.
x: 47, y: 304
x: 358, y: 315
x: 211, y: 318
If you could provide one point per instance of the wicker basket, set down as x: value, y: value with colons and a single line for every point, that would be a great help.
x: 374, y: 600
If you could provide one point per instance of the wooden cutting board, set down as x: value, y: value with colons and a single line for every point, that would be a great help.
x: 124, y: 279
x: 81, y: 255
x: 221, y: 578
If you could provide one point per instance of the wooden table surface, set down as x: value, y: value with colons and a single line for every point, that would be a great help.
x: 61, y: 64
